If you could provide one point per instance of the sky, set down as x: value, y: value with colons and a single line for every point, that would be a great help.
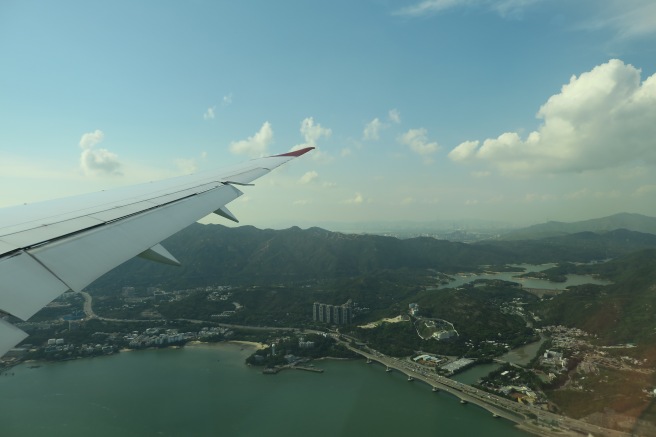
x: 511, y: 111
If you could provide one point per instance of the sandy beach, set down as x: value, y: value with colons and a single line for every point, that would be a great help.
x: 252, y: 344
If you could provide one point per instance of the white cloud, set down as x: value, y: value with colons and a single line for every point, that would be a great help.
x: 612, y: 194
x: 394, y: 116
x: 464, y: 151
x: 355, y: 200
x: 97, y: 161
x: 536, y: 197
x: 417, y: 140
x: 209, y: 114
x: 496, y: 199
x: 308, y: 177
x: 602, y: 119
x: 644, y: 190
x: 505, y: 8
x: 302, y: 202
x: 374, y: 127
x: 313, y: 132
x: 628, y: 20
x: 345, y: 152
x: 227, y: 100
x: 90, y: 139
x: 428, y: 7
x: 256, y: 145
x: 186, y: 166
x: 372, y: 130
x: 577, y: 195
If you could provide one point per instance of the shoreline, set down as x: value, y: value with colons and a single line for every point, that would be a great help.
x: 251, y: 344
x: 524, y: 426
x: 242, y: 343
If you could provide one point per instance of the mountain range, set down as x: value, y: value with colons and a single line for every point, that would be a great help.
x: 629, y: 221
x: 215, y: 254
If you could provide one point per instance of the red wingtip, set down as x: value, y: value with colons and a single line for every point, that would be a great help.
x: 296, y: 153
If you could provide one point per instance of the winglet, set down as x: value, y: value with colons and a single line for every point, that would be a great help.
x: 159, y: 254
x: 225, y: 212
x: 295, y: 153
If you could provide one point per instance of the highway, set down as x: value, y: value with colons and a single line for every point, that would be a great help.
x: 547, y: 423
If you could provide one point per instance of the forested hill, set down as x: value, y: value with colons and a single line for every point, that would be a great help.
x: 624, y: 311
x: 215, y: 254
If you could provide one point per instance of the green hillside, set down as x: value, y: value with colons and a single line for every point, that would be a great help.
x: 623, y: 312
x: 215, y: 254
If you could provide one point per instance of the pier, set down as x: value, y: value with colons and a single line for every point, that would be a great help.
x: 308, y: 369
x: 274, y: 370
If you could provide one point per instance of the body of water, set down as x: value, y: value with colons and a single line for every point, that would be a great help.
x: 207, y: 390
x: 572, y: 280
x: 521, y: 355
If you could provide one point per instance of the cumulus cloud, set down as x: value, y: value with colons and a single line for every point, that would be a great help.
x: 394, y: 116
x: 505, y: 8
x: 308, y: 177
x: 417, y: 140
x: 256, y: 145
x: 601, y: 119
x: 374, y: 127
x: 372, y: 130
x: 355, y: 200
x: 227, y: 100
x: 186, y: 165
x: 209, y: 114
x: 313, y: 132
x: 97, y: 161
x: 90, y: 139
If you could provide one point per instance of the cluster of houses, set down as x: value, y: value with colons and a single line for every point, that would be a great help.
x: 153, y: 337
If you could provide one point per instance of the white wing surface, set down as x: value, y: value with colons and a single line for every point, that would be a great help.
x: 47, y: 248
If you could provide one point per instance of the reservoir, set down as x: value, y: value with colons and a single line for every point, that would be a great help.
x: 464, y: 278
x: 207, y: 390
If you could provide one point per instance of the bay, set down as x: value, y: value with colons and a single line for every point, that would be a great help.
x: 207, y: 390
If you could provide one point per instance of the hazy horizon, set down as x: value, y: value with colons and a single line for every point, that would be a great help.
x: 412, y: 228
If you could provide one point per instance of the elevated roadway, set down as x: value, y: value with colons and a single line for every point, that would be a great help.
x: 530, y: 418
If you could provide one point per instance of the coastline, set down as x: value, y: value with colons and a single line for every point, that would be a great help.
x: 243, y: 343
x: 222, y: 388
x: 251, y: 344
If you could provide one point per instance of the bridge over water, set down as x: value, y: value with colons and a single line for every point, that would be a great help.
x: 533, y: 419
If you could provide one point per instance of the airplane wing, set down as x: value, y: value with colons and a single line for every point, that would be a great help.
x: 47, y: 248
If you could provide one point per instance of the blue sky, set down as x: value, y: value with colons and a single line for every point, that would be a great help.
x: 518, y: 111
